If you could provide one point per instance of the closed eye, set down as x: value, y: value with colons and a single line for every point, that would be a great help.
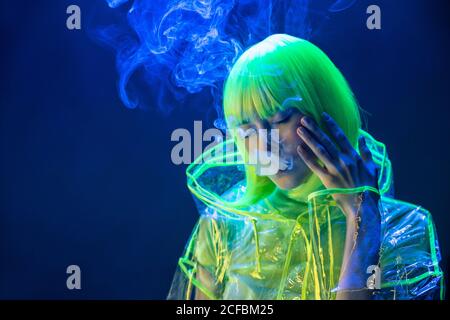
x: 284, y: 119
x: 283, y: 116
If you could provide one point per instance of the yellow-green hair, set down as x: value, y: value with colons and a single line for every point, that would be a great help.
x: 279, y: 72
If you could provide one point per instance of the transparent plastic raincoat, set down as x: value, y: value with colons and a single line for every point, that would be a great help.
x: 295, y: 251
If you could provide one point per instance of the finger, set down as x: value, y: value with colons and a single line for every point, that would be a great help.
x: 310, y: 160
x: 338, y: 135
x: 317, y: 148
x: 321, y: 136
x: 364, y: 151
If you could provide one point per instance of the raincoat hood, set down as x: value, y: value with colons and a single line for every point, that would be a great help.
x: 288, y: 249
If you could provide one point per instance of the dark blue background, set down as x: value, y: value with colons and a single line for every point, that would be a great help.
x: 86, y: 181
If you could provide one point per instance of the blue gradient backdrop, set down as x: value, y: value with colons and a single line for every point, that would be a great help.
x: 86, y: 181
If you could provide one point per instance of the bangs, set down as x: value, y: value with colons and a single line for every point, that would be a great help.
x: 259, y: 86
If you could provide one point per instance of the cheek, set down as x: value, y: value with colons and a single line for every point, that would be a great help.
x: 290, y: 140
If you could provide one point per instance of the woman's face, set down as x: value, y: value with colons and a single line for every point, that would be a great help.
x: 292, y: 170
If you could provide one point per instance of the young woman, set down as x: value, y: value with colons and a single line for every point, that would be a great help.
x: 325, y: 225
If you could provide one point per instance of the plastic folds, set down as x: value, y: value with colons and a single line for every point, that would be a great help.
x: 296, y: 251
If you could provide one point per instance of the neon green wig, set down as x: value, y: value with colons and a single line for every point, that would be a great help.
x: 279, y: 72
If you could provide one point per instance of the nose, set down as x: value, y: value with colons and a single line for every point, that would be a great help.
x: 264, y: 135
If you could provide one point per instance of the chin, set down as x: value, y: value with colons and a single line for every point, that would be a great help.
x: 286, y: 183
x: 291, y: 180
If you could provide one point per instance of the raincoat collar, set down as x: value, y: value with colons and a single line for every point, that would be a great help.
x: 217, y: 182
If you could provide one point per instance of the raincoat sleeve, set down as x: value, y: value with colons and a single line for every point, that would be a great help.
x: 200, y: 271
x: 409, y: 255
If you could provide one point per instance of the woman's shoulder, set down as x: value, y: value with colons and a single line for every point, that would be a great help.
x: 396, y: 212
x: 409, y: 255
x: 409, y: 235
x: 406, y: 225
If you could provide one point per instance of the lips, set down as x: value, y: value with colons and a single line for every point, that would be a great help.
x: 270, y: 164
x: 286, y: 164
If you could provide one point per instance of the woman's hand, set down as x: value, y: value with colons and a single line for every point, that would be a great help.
x: 338, y: 165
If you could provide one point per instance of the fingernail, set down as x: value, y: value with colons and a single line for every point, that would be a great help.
x: 305, y: 121
x: 300, y: 131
